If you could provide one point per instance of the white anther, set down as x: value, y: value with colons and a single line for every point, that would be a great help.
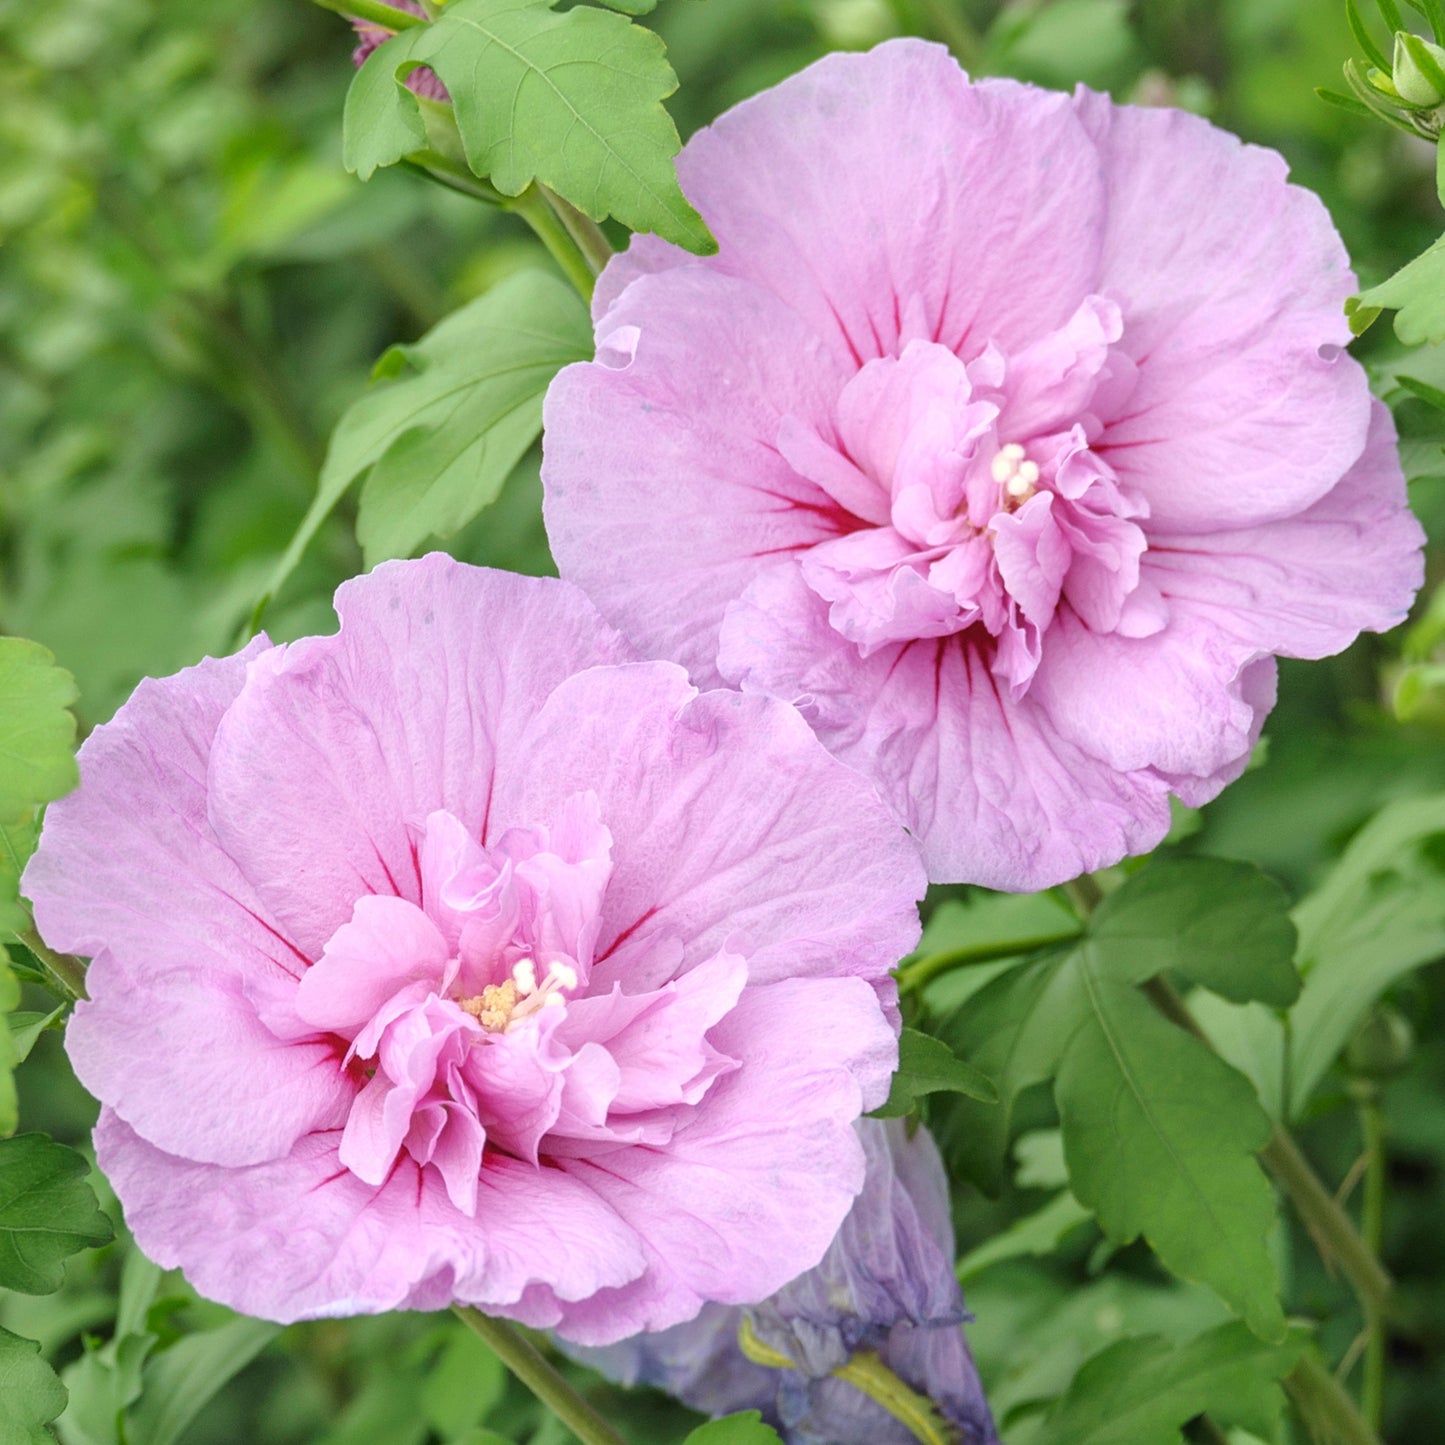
x: 553, y: 1000
x: 1006, y: 463
x: 524, y: 975
x: 562, y: 974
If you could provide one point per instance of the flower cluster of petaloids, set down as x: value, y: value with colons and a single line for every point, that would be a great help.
x: 469, y: 955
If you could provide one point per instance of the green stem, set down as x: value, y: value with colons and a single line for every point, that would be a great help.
x: 537, y: 1373
x: 584, y: 231
x: 1372, y: 1228
x: 66, y: 971
x: 1324, y: 1403
x: 923, y: 971
x: 1084, y: 893
x: 533, y: 208
x: 377, y: 12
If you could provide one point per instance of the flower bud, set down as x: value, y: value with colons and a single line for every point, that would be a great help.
x: 1414, y: 81
x: 1382, y: 1047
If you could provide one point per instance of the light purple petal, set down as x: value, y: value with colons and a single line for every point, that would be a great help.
x: 775, y: 1197
x: 864, y: 192
x: 992, y: 791
x: 301, y: 1238
x: 345, y: 744
x: 733, y: 829
x: 1308, y: 585
x: 1233, y: 287
x: 634, y: 493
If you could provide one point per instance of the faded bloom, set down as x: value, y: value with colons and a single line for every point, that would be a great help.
x: 1008, y: 433
x: 454, y: 957
x: 886, y: 1286
x: 423, y: 80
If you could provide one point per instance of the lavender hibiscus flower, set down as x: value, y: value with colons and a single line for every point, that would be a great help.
x: 453, y: 957
x: 1008, y: 433
x: 885, y: 1288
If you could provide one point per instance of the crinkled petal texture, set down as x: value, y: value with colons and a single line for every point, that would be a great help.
x: 1008, y: 434
x: 886, y: 1285
x: 458, y: 956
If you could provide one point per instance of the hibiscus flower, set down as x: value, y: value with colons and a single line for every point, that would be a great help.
x: 1009, y: 434
x: 454, y: 957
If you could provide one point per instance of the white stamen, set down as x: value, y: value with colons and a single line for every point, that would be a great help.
x: 562, y: 974
x: 524, y: 975
x: 1015, y: 473
x: 552, y: 1000
x: 1006, y: 463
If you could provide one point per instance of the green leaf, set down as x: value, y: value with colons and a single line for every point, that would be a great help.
x: 746, y: 1428
x: 1143, y: 1390
x: 10, y: 1054
x: 1039, y: 1233
x: 17, y: 843
x: 571, y: 100
x: 989, y: 926
x: 37, y: 732
x: 1160, y: 1136
x: 465, y: 393
x: 1416, y: 292
x: 47, y: 1213
x: 1377, y: 915
x: 31, y: 1394
x: 1015, y: 1029
x: 926, y: 1065
x: 1363, y: 38
x: 631, y: 7
x: 177, y: 1384
x: 1221, y: 924
x: 382, y: 121
x: 464, y: 1385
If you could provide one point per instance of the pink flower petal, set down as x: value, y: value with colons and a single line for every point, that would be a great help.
x: 344, y: 744
x: 771, y: 1203
x: 778, y: 880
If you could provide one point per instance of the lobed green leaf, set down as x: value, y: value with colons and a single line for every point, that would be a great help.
x: 572, y: 100
x: 1416, y: 293
x: 448, y: 418
x: 31, y: 1395
x: 1221, y: 924
x: 37, y: 731
x: 48, y: 1212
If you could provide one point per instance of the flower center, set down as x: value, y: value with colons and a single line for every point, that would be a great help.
x: 500, y: 1007
x: 1015, y: 474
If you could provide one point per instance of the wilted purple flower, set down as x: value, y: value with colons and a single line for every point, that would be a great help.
x: 456, y: 956
x: 422, y: 81
x: 1009, y: 434
x: 885, y: 1286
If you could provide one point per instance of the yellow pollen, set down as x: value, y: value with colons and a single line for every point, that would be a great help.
x: 492, y: 1008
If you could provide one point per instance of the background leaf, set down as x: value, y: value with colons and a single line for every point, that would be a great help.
x: 744, y: 1429
x: 1142, y: 1391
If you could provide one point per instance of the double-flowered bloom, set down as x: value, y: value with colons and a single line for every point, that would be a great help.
x: 885, y: 1289
x: 458, y: 956
x: 1008, y: 433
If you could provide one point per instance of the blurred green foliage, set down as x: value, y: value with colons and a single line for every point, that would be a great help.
x: 193, y: 292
